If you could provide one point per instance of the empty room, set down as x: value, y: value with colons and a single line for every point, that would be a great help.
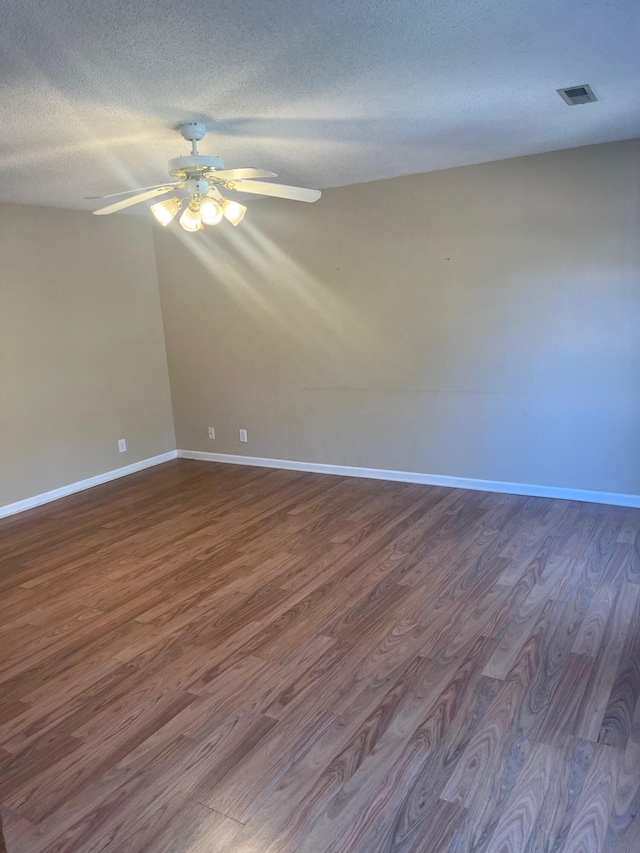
x: 319, y: 427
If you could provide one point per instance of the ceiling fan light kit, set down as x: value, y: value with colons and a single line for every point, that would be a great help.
x: 202, y: 176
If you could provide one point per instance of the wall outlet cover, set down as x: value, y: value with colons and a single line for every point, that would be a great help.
x: 122, y: 445
x: 212, y: 432
x: 243, y: 434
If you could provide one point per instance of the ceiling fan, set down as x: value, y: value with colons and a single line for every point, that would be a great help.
x: 202, y: 177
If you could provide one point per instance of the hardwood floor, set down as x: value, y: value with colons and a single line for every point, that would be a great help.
x: 205, y: 658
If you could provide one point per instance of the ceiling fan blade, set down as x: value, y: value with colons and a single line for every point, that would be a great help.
x: 242, y: 174
x: 276, y: 190
x: 136, y: 199
x: 138, y: 190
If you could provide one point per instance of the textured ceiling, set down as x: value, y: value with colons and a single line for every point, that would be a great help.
x: 323, y: 93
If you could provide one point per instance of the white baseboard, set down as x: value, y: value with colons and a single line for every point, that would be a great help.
x: 63, y: 491
x: 322, y: 468
x: 427, y: 479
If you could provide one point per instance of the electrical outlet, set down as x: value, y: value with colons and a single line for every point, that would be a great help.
x: 243, y: 434
x: 212, y: 432
x: 122, y: 445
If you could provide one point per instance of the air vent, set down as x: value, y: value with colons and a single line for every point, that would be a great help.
x: 574, y: 95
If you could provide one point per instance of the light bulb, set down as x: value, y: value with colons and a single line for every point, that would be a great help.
x: 164, y: 211
x: 210, y: 211
x: 233, y: 211
x: 191, y: 219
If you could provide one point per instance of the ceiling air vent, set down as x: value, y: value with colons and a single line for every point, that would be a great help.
x: 573, y: 95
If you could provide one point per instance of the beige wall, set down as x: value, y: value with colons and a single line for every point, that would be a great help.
x: 82, y: 358
x: 479, y: 322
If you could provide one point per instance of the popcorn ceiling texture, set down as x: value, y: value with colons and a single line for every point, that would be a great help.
x: 323, y: 93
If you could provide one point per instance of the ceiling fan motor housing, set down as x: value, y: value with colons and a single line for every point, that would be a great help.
x: 193, y: 165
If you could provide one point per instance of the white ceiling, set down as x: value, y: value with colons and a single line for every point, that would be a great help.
x: 323, y: 93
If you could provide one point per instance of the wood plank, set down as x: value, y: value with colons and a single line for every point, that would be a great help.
x: 619, y: 724
x: 518, y: 819
x: 606, y: 665
x: 571, y: 763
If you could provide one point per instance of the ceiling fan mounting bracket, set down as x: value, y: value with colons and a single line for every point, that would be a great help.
x: 193, y: 131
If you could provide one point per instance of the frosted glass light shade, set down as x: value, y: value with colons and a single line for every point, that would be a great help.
x: 191, y: 219
x: 210, y: 211
x: 233, y: 211
x: 164, y: 211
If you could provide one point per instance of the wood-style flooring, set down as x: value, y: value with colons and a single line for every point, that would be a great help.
x: 208, y: 659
